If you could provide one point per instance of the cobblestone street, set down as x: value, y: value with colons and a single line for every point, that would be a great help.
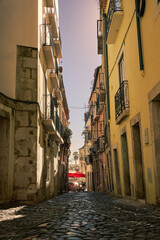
x: 80, y: 216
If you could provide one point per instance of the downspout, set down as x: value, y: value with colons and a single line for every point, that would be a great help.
x: 106, y: 65
x: 141, y: 64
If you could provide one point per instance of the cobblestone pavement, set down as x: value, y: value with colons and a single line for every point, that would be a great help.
x: 80, y: 216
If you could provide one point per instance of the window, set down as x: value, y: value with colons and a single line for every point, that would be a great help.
x: 121, y: 69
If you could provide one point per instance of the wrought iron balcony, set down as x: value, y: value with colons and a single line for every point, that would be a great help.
x: 89, y: 159
x: 49, y: 3
x: 48, y: 112
x: 58, y: 45
x: 94, y: 113
x: 122, y: 102
x: 100, y: 144
x: 99, y: 106
x: 49, y: 107
x: 99, y: 36
x: 103, y: 3
x: 48, y: 45
x: 60, y: 89
x: 51, y: 120
x: 59, y: 125
x: 102, y: 92
x: 86, y: 116
x: 52, y: 18
x: 88, y: 135
x: 113, y: 20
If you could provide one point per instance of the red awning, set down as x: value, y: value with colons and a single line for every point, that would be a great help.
x: 76, y: 175
x: 79, y: 174
x: 71, y: 175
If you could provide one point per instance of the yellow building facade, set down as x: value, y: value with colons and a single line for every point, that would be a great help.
x: 132, y: 34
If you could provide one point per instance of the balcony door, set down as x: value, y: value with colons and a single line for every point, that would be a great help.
x: 126, y: 169
x: 138, y: 162
x: 121, y: 69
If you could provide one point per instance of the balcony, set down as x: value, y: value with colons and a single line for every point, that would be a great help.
x: 52, y: 18
x: 53, y: 74
x: 86, y: 116
x: 94, y: 115
x: 59, y: 125
x: 89, y: 159
x: 100, y: 144
x: 59, y: 90
x: 58, y: 45
x: 99, y: 36
x: 51, y: 121
x: 88, y: 135
x: 102, y: 93
x: 50, y: 3
x: 103, y: 3
x: 95, y: 147
x: 48, y: 45
x: 99, y: 107
x: 122, y: 102
x: 113, y: 20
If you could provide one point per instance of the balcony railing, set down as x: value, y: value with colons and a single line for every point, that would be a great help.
x: 103, y: 3
x: 89, y: 159
x: 58, y: 44
x: 51, y: 120
x: 52, y: 17
x: 88, y: 135
x: 122, y: 102
x: 47, y: 36
x: 100, y: 144
x: 102, y: 87
x: 59, y: 125
x: 99, y: 36
x: 48, y: 107
x: 113, y: 20
x: 59, y: 37
x: 86, y: 116
x: 99, y: 106
x: 48, y: 45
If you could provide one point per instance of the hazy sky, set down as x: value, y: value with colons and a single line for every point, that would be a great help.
x: 78, y: 26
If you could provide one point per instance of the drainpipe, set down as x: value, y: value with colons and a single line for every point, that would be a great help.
x: 141, y: 64
x: 106, y: 66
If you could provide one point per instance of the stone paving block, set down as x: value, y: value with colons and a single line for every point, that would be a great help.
x: 48, y: 219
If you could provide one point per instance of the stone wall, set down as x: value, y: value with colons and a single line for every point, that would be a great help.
x: 25, y: 168
x: 26, y: 74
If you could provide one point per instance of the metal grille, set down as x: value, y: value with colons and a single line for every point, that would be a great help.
x: 121, y: 99
x: 47, y: 36
x: 114, y: 6
x: 48, y: 107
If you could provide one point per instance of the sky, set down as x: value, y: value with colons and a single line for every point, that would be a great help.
x: 78, y: 27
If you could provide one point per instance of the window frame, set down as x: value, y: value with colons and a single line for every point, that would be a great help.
x: 121, y: 69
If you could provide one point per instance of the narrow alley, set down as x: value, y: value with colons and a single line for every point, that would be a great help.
x: 80, y: 216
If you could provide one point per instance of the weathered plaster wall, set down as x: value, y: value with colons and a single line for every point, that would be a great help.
x: 19, y: 26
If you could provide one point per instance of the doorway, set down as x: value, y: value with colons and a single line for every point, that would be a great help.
x: 126, y: 171
x: 4, y: 157
x: 117, y: 172
x: 155, y: 127
x: 137, y: 154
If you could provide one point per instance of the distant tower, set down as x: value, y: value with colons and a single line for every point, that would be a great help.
x: 75, y: 154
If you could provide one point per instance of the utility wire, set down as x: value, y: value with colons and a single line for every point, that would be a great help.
x: 77, y: 107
